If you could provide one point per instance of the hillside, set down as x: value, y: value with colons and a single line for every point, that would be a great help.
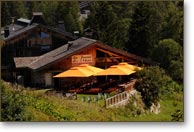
x: 22, y: 104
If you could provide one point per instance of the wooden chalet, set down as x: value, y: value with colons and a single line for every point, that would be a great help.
x: 39, y: 70
x: 36, y: 52
x: 28, y: 38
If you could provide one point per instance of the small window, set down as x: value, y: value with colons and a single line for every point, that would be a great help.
x: 44, y: 35
x: 45, y: 47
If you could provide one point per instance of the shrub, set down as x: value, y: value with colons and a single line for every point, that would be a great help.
x: 166, y: 51
x: 12, y: 105
x: 150, y: 82
x: 169, y: 54
x: 175, y: 70
x: 177, y: 115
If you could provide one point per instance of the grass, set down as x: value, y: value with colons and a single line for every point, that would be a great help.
x: 41, y: 107
x: 167, y: 109
x: 99, y: 102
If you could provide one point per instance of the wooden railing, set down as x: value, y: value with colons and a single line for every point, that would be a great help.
x: 130, y: 86
x: 114, y: 100
x: 121, y: 98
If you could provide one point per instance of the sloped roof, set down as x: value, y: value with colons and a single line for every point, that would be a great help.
x: 22, y: 62
x: 65, y: 51
x: 18, y: 31
x: 54, y: 55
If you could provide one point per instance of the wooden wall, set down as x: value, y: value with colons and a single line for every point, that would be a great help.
x: 67, y: 63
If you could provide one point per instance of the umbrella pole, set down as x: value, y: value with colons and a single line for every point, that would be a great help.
x: 106, y: 78
x: 120, y: 78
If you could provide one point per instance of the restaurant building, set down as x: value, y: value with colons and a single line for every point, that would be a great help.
x: 32, y: 53
x: 39, y: 70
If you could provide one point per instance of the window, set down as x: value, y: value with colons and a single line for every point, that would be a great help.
x: 44, y: 35
x: 45, y: 47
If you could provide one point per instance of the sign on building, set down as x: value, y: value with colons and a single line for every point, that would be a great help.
x: 82, y: 59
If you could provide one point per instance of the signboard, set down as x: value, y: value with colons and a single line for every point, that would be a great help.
x: 82, y: 59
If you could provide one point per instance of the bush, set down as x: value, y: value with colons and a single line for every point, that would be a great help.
x: 175, y: 70
x: 166, y: 51
x: 177, y: 115
x: 169, y: 54
x: 12, y: 105
x: 150, y: 82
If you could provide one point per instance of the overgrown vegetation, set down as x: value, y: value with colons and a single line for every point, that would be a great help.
x: 150, y: 82
x: 20, y: 104
x: 154, y: 85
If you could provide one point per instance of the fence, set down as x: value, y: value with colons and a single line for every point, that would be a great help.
x: 121, y: 98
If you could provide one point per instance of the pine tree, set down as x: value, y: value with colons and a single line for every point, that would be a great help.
x: 5, y: 16
x: 69, y: 13
x: 172, y: 27
x: 139, y: 31
x: 109, y: 24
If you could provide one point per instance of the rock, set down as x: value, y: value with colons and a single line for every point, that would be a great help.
x: 155, y: 108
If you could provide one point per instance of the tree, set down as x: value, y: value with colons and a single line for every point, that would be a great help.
x: 14, y: 9
x: 20, y: 9
x: 109, y: 24
x: 139, y: 31
x: 150, y: 82
x: 152, y: 22
x: 69, y: 13
x: 172, y: 27
x: 175, y: 70
x: 5, y: 16
x: 167, y: 51
x: 49, y: 12
x: 169, y: 54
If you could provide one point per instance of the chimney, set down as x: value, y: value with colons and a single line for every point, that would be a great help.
x: 12, y: 23
x: 6, y: 31
x: 37, y: 13
x: 37, y: 18
x: 61, y: 25
x: 69, y: 45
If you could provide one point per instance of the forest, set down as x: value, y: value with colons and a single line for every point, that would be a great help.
x: 152, y: 29
x: 149, y: 29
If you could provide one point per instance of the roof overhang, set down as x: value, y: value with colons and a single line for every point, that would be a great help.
x: 57, y: 55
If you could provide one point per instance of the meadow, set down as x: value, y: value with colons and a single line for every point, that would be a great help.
x: 22, y: 104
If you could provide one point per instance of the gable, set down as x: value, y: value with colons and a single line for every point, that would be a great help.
x: 76, y: 47
x: 23, y: 32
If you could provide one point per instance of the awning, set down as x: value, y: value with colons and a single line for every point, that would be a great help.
x: 115, y: 70
x: 90, y: 68
x: 129, y: 66
x: 75, y: 72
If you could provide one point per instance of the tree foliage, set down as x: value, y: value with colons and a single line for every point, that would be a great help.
x: 14, y: 9
x: 138, y: 27
x: 52, y: 12
x: 172, y: 27
x: 109, y: 24
x: 176, y: 70
x: 169, y: 54
x: 152, y: 22
x: 166, y: 51
x: 150, y: 82
x: 139, y: 31
x: 12, y: 106
x: 68, y: 12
